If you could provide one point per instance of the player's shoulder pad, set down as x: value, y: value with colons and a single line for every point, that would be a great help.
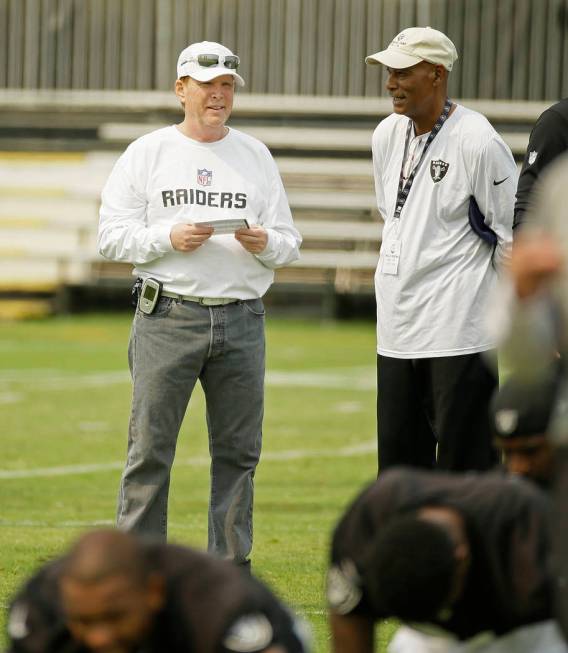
x: 343, y: 587
x: 249, y: 633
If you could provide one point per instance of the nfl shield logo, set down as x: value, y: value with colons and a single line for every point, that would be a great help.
x: 204, y: 177
x: 438, y: 169
x: 532, y: 157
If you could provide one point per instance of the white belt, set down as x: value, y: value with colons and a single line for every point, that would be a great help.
x: 204, y: 301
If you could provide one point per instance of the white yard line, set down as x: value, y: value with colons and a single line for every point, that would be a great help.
x: 33, y: 523
x: 57, y: 380
x: 11, y: 397
x: 198, y: 461
x: 67, y: 470
x: 325, y: 379
x: 357, y: 378
x: 15, y: 385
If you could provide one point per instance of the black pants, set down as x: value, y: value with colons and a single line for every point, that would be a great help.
x: 434, y: 412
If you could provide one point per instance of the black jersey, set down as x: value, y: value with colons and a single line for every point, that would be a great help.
x: 211, y: 606
x: 548, y: 139
x: 507, y: 526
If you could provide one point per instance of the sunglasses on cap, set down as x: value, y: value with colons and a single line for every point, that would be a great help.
x: 230, y: 61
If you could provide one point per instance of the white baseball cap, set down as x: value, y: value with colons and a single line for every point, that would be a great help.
x: 206, y: 60
x: 416, y: 44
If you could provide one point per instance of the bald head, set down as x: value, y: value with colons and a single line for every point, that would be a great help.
x: 101, y: 554
x: 109, y: 594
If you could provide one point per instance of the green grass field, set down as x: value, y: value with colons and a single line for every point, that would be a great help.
x: 64, y: 404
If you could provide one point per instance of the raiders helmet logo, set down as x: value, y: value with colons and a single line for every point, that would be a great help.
x: 343, y: 587
x: 251, y: 632
x: 438, y: 169
x: 506, y: 421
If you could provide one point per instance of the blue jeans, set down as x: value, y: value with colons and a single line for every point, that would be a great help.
x: 223, y: 347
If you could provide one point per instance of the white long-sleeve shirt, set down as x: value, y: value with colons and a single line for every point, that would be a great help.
x: 165, y: 178
x: 435, y: 304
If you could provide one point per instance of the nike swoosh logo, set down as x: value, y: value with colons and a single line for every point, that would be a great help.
x: 496, y: 183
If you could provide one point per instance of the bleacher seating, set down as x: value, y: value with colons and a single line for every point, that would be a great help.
x: 49, y: 200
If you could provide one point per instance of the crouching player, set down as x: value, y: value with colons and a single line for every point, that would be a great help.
x: 114, y: 594
x: 462, y: 560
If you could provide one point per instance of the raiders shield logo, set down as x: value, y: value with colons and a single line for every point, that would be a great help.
x: 438, y: 169
x: 506, y: 421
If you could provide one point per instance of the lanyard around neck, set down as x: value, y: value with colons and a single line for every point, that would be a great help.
x: 404, y: 189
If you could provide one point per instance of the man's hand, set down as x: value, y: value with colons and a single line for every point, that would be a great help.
x: 254, y: 240
x: 536, y: 260
x: 188, y: 237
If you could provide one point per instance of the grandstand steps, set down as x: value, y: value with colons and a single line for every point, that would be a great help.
x: 49, y: 216
x: 354, y: 141
x: 49, y: 200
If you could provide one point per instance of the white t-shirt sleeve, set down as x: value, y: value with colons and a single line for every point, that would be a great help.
x: 494, y: 183
x: 123, y: 231
x: 284, y: 240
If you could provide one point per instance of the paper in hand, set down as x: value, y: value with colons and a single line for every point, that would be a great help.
x: 224, y: 226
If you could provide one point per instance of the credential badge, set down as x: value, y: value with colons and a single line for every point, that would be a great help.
x: 204, y: 177
x: 438, y: 169
x: 532, y: 157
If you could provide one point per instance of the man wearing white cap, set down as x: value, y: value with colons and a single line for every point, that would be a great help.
x: 201, y: 212
x: 445, y: 184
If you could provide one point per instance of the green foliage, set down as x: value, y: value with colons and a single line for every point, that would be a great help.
x: 64, y: 403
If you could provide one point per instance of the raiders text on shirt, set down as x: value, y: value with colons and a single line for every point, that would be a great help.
x: 204, y: 198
